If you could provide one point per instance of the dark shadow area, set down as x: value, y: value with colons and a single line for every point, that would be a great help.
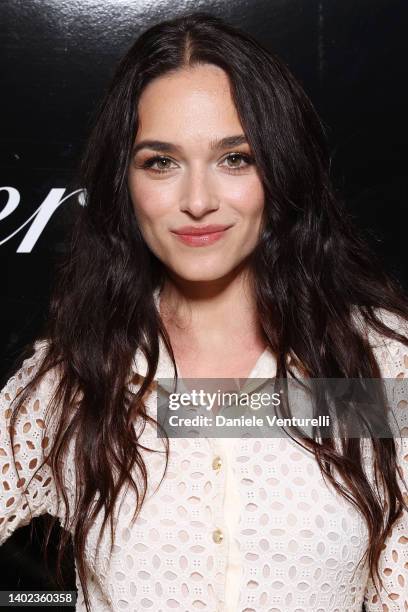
x: 22, y: 566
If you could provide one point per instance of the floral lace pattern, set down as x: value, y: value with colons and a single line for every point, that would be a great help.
x: 297, y: 539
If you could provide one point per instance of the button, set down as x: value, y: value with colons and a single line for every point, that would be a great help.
x: 218, y: 536
x: 217, y: 463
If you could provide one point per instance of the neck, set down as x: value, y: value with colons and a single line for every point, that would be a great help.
x: 207, y: 315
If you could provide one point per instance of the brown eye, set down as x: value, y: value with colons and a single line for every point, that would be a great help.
x: 237, y: 160
x: 234, y: 158
x: 160, y: 160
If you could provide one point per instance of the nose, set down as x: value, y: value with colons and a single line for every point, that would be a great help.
x: 199, y: 196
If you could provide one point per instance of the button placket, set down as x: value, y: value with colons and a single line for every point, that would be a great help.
x: 217, y: 466
x: 218, y: 530
x: 218, y: 535
x: 217, y: 463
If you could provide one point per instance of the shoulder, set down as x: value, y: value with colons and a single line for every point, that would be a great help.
x: 42, y: 390
x: 391, y: 354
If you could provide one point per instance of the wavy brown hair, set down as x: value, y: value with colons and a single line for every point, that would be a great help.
x: 311, y: 271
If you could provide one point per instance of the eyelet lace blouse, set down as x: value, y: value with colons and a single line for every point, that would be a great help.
x: 237, y: 525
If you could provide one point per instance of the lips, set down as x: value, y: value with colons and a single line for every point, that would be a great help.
x: 206, y: 235
x: 192, y: 230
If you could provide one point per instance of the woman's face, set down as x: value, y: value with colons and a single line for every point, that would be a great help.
x: 188, y: 177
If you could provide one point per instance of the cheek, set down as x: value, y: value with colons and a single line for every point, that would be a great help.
x: 149, y: 201
x: 248, y: 199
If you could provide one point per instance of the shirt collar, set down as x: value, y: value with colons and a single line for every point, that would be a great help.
x: 265, y: 367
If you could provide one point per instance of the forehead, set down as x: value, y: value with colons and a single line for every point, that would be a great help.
x: 188, y: 103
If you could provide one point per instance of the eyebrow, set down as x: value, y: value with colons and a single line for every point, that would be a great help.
x: 215, y: 145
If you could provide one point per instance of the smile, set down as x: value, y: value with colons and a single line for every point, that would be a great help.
x: 201, y: 239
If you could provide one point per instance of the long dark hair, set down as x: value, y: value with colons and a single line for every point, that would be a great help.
x: 311, y: 271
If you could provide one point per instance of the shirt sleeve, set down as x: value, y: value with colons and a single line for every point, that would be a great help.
x: 393, y: 562
x: 21, y: 498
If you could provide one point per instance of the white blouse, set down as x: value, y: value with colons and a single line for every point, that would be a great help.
x: 236, y: 525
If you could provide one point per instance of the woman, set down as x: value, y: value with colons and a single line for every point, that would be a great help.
x: 203, y: 127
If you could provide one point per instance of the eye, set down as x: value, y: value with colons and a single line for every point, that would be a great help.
x: 160, y: 159
x: 164, y: 163
x: 234, y: 157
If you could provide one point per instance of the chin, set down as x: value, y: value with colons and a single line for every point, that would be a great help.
x: 198, y: 273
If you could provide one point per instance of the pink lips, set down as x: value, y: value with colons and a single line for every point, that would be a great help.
x: 200, y: 236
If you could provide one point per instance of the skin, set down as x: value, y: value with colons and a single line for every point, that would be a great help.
x: 206, y: 303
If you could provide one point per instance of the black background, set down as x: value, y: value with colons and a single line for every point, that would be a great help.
x: 56, y: 60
